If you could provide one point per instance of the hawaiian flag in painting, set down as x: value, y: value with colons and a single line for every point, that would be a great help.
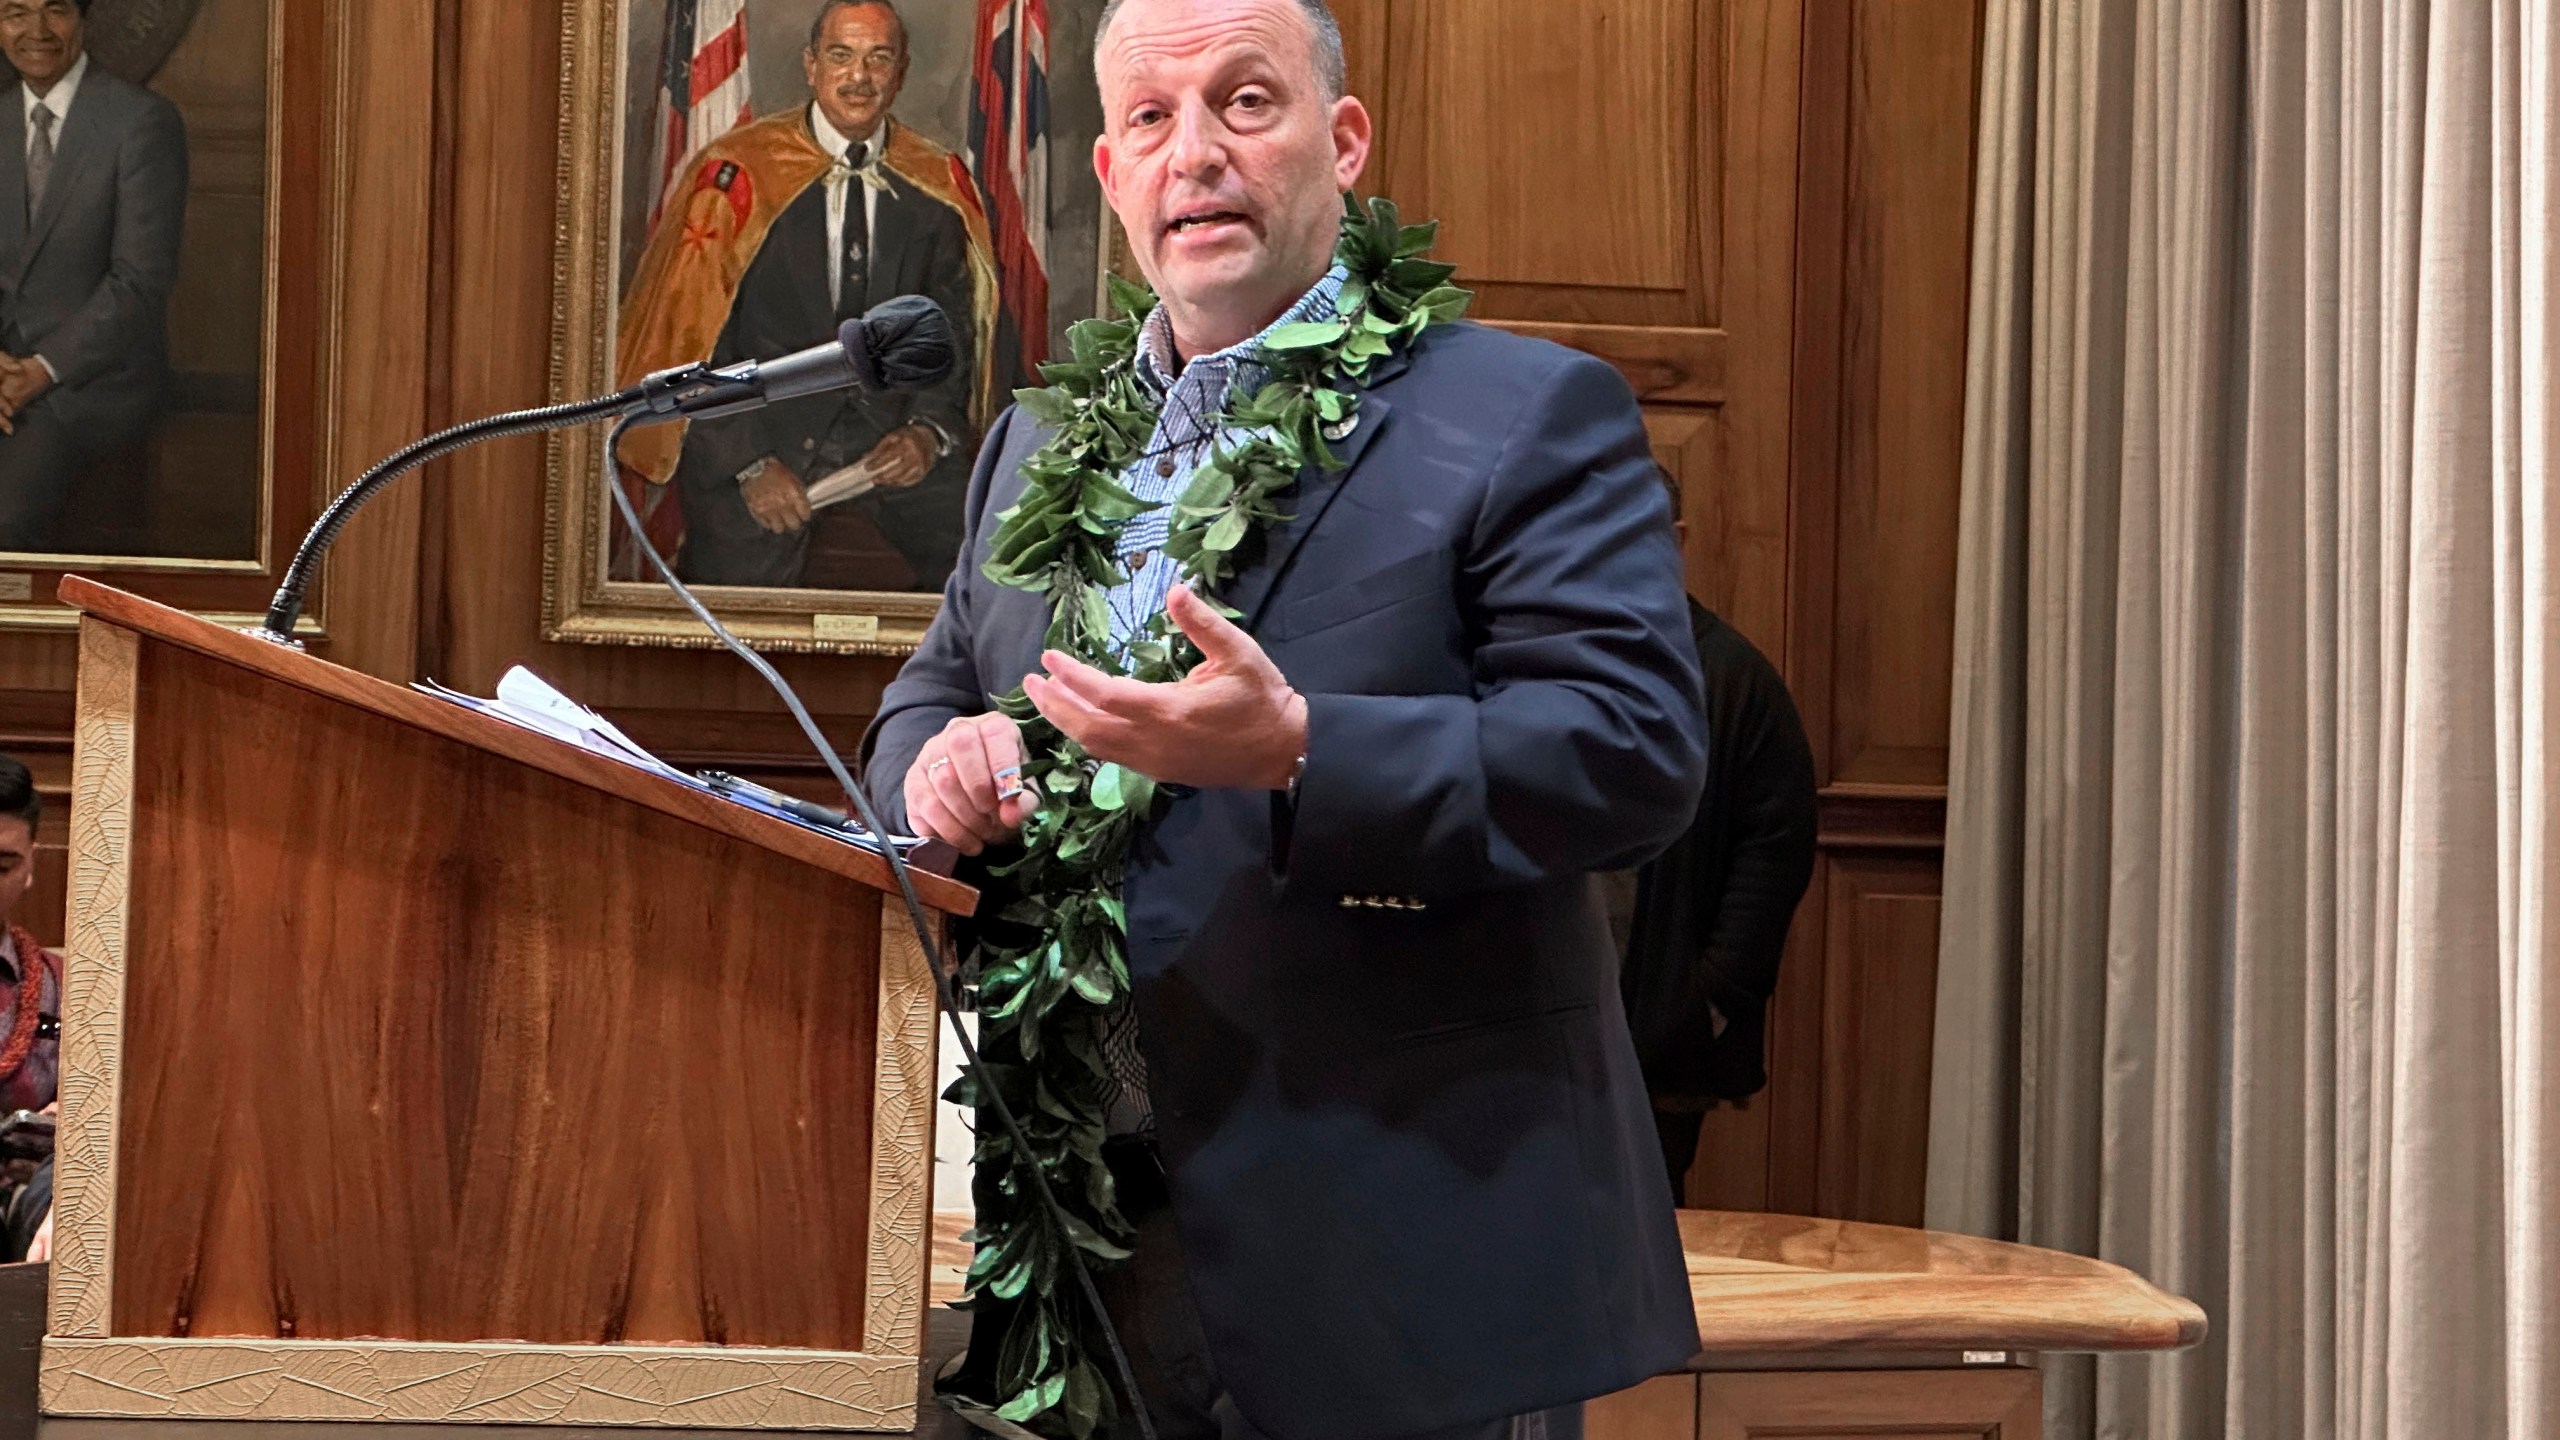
x: 702, y: 89
x: 1009, y: 145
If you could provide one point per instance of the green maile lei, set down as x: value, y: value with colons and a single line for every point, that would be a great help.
x: 1053, y: 959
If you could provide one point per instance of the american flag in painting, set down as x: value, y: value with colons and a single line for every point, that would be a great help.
x: 1009, y: 148
x: 702, y: 90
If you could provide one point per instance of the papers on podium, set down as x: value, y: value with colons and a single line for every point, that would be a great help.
x: 527, y: 700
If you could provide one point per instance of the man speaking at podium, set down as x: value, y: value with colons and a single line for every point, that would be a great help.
x: 1377, y: 1129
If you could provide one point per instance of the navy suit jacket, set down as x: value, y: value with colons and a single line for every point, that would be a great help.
x: 1412, y: 1160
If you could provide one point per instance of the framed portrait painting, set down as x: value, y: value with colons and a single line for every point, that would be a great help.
x: 165, y: 338
x: 738, y: 177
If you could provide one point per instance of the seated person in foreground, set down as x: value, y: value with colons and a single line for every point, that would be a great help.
x: 31, y: 1010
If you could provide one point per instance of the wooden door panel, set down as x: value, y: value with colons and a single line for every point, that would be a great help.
x: 1601, y: 210
x: 1879, y: 1017
x: 1797, y: 1059
x: 1871, y: 1405
x: 1663, y: 1408
x: 1621, y: 160
x: 1649, y: 220
x: 1737, y: 523
x: 1883, y: 269
x: 1732, y: 1168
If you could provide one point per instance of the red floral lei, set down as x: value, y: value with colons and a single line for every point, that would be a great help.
x: 34, y: 964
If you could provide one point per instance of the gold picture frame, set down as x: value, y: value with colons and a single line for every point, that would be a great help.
x: 301, y: 307
x: 582, y: 602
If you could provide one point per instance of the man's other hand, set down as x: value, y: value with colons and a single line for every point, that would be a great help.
x: 1233, y: 722
x: 775, y: 497
x: 966, y: 786
x: 27, y: 379
x: 22, y: 379
x: 905, y: 456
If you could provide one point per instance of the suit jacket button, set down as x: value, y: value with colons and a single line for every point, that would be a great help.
x: 1350, y: 902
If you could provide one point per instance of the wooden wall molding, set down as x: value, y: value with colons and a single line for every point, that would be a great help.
x: 1884, y: 817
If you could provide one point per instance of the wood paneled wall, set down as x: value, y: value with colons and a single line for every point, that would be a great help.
x: 1757, y: 209
x: 1884, y: 210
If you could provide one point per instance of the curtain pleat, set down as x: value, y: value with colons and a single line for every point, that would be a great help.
x: 2249, y: 977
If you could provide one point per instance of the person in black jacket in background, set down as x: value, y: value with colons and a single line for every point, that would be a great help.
x: 1707, y: 921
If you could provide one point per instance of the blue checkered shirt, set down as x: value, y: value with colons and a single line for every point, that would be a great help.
x: 1193, y: 396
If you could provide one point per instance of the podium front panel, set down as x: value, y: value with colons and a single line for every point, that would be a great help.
x: 404, y: 1079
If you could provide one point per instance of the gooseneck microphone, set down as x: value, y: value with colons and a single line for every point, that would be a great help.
x: 901, y: 344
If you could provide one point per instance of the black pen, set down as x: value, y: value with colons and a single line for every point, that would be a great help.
x: 807, y: 811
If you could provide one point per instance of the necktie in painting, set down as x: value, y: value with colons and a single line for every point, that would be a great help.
x: 852, y: 278
x: 39, y: 157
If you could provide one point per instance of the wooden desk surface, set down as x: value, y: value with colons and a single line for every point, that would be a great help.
x: 1784, y: 1282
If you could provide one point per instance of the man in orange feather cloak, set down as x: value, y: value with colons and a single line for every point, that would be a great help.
x: 775, y: 233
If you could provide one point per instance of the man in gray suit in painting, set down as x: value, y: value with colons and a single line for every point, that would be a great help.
x: 93, y: 191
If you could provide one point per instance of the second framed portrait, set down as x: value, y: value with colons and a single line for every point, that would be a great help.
x: 738, y: 177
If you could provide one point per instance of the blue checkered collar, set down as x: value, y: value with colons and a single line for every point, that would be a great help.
x: 1160, y: 369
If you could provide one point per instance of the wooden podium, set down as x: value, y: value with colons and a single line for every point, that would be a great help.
x: 419, y: 1067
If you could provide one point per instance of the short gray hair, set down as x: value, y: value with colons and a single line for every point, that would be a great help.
x: 1331, y: 67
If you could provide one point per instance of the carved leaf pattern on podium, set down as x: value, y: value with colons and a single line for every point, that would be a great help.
x: 494, y: 1384
x: 902, y: 1141
x: 93, y: 981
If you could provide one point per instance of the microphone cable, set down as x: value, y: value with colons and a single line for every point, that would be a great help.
x: 943, y: 982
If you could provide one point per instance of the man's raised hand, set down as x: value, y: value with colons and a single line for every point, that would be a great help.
x: 1233, y: 722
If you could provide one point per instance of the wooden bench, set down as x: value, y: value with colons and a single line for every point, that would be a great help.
x: 1828, y: 1327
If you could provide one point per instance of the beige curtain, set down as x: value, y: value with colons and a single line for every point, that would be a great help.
x: 2250, y: 976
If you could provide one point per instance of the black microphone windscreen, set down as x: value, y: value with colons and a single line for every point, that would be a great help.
x: 902, y: 344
